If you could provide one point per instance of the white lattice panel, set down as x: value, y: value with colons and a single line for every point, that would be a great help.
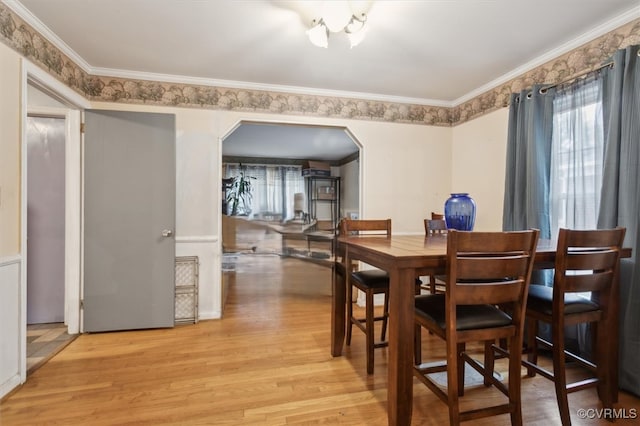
x: 186, y: 307
x: 186, y: 271
x: 186, y: 301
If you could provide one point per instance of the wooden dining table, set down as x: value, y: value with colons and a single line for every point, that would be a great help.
x: 406, y: 257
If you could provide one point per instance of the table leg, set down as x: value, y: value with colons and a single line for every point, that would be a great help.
x: 338, y: 315
x: 401, y: 329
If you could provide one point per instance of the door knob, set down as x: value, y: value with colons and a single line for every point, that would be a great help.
x: 167, y: 232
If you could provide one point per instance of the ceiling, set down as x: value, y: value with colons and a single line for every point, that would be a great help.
x: 259, y: 140
x: 432, y: 52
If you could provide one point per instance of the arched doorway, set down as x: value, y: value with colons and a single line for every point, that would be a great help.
x: 273, y: 155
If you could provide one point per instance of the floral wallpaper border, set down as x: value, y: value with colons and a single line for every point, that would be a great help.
x: 18, y: 35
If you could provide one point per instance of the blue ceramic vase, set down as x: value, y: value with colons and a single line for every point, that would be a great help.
x: 460, y: 212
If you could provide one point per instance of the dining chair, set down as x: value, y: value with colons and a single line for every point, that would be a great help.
x: 370, y: 282
x: 436, y: 216
x: 586, y: 261
x: 434, y: 227
x: 484, y: 270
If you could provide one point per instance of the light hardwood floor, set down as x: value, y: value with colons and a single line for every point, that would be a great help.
x: 267, y: 362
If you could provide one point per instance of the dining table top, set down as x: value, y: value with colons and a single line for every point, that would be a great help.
x: 427, y: 252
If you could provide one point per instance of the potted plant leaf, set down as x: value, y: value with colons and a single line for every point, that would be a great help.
x: 239, y: 194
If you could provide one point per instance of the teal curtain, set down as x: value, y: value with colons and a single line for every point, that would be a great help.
x: 526, y: 195
x: 527, y: 184
x: 620, y: 199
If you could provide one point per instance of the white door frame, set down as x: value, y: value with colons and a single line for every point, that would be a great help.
x: 32, y: 74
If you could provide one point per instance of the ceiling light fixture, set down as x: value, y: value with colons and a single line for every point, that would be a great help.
x: 337, y: 17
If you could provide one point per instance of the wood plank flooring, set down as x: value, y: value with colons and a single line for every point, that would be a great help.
x: 267, y: 362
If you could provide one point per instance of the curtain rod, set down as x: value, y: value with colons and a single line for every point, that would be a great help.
x: 576, y: 77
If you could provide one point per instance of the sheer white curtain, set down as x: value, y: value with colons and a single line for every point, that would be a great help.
x: 273, y: 188
x: 577, y: 150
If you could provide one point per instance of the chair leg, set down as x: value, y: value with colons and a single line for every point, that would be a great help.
x: 432, y: 284
x: 460, y: 366
x: 489, y: 361
x: 349, y: 314
x: 559, y: 373
x: 515, y: 380
x: 532, y: 346
x: 453, y: 361
x: 369, y: 331
x: 601, y: 343
x: 385, y: 317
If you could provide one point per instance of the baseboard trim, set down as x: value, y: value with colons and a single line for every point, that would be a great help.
x: 9, y: 386
x: 197, y: 239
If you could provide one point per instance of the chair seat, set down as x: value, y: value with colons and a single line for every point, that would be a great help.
x: 541, y: 300
x: 469, y: 317
x: 371, y: 278
x: 375, y: 279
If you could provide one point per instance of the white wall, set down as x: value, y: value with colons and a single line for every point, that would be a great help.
x: 478, y: 165
x: 350, y: 187
x: 10, y: 330
x: 405, y: 172
x: 11, y: 296
x: 10, y: 95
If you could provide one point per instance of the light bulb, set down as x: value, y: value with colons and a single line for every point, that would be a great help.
x: 319, y: 34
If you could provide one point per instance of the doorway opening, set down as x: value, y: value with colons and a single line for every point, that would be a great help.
x: 50, y: 220
x: 45, y: 218
x: 290, y: 217
x: 46, y: 332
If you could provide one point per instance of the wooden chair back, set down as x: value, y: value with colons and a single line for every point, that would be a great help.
x: 366, y: 227
x: 491, y: 268
x: 373, y: 227
x: 435, y: 215
x: 434, y: 226
x: 436, y: 277
x: 586, y: 261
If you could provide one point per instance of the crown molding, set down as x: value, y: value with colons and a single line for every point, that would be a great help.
x: 232, y: 84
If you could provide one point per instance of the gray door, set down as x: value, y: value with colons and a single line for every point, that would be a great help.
x: 45, y: 219
x: 129, y: 216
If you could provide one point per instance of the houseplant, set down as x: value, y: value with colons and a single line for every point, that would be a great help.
x: 239, y: 194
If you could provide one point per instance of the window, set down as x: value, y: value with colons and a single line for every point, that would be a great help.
x: 577, y: 151
x: 274, y: 187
